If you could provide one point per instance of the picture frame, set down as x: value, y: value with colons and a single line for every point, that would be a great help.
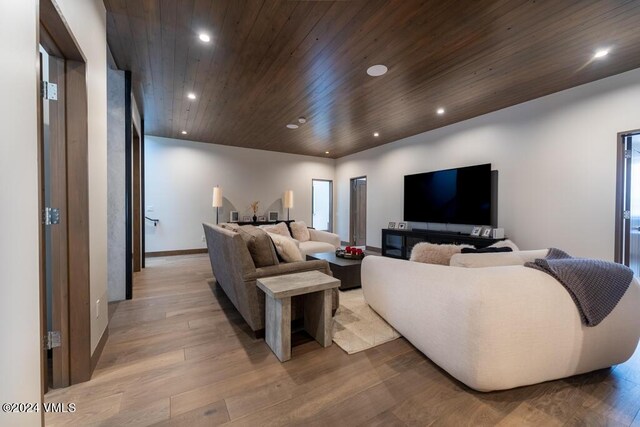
x: 273, y: 216
x: 246, y: 219
x: 476, y: 231
x: 262, y: 218
x: 392, y: 225
x: 486, y: 232
x: 234, y: 216
x: 402, y: 226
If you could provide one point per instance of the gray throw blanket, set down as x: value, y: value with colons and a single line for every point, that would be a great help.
x: 595, y: 286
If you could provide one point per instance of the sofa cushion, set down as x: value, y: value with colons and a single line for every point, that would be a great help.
x: 496, y: 259
x: 280, y: 228
x: 312, y: 246
x: 431, y: 253
x: 300, y: 231
x: 259, y: 245
x: 286, y: 247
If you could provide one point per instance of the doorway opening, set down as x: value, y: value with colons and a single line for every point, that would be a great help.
x: 627, y: 250
x: 64, y: 203
x: 322, y: 204
x: 358, y: 212
x: 134, y: 192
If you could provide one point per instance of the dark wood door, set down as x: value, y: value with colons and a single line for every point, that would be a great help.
x: 358, y: 211
x: 54, y: 186
x: 633, y: 196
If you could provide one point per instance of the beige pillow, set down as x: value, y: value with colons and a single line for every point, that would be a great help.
x: 300, y: 231
x: 280, y: 228
x: 259, y: 245
x: 286, y: 247
x: 505, y: 244
x: 230, y: 226
x: 430, y: 253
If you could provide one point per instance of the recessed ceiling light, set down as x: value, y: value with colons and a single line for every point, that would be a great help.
x: 204, y: 37
x: 376, y: 134
x: 184, y: 132
x: 440, y: 111
x: 326, y: 152
x: 191, y: 96
x: 600, y: 53
x: 293, y: 126
x: 302, y: 120
x: 377, y: 70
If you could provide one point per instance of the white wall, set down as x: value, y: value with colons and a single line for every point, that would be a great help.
x: 19, y: 218
x: 87, y: 21
x: 180, y: 176
x: 556, y: 158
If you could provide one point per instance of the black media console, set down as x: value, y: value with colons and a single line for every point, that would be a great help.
x: 399, y: 243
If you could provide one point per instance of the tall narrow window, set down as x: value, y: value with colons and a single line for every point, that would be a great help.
x: 322, y: 204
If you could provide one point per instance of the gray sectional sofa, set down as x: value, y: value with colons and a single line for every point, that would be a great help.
x: 239, y: 257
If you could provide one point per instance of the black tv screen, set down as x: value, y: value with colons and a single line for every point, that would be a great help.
x: 453, y: 196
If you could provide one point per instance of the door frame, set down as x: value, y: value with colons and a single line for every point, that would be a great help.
x: 623, y: 189
x: 352, y: 202
x: 57, y: 39
x: 330, y: 181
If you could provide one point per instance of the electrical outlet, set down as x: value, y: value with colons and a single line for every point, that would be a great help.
x: 203, y: 238
x: 97, y: 308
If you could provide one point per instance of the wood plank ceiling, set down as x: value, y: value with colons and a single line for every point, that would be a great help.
x: 272, y: 61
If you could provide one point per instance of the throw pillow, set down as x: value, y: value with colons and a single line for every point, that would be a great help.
x: 300, y: 231
x: 280, y: 228
x: 230, y: 226
x: 259, y: 245
x: 286, y: 248
x: 431, y: 253
x: 505, y: 244
x: 487, y: 250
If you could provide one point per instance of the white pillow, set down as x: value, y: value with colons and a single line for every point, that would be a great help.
x: 300, y: 231
x: 286, y: 247
x: 280, y: 228
x: 505, y: 244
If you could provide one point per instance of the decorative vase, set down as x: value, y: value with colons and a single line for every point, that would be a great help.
x: 255, y: 218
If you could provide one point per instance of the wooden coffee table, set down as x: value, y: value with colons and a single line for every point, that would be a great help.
x: 345, y: 269
x: 316, y: 288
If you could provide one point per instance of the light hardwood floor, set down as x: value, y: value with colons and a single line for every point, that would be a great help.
x: 179, y: 354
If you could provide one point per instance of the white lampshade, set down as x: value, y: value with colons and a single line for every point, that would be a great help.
x: 288, y: 199
x: 217, y: 197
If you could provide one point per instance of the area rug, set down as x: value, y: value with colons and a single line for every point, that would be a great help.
x: 356, y: 327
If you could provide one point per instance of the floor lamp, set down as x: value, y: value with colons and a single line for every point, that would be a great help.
x: 217, y: 199
x: 288, y: 201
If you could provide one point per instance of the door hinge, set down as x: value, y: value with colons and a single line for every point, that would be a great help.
x: 49, y: 91
x: 52, y: 340
x: 626, y: 214
x: 51, y: 216
x: 627, y: 154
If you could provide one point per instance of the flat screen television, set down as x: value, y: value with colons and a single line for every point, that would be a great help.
x: 453, y: 196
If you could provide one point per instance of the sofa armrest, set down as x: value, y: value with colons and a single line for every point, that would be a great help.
x: 325, y: 236
x: 289, y: 268
x: 497, y: 259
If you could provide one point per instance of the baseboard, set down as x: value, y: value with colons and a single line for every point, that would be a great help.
x: 178, y: 252
x: 373, y: 249
x: 96, y: 354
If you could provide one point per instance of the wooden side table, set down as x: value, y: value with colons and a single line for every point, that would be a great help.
x: 317, y: 288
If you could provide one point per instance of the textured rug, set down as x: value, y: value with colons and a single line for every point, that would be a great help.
x: 356, y: 327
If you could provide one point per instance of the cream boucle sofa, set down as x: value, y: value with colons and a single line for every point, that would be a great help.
x: 321, y: 241
x: 499, y: 326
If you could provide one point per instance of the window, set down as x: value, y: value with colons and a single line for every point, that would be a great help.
x: 322, y: 204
